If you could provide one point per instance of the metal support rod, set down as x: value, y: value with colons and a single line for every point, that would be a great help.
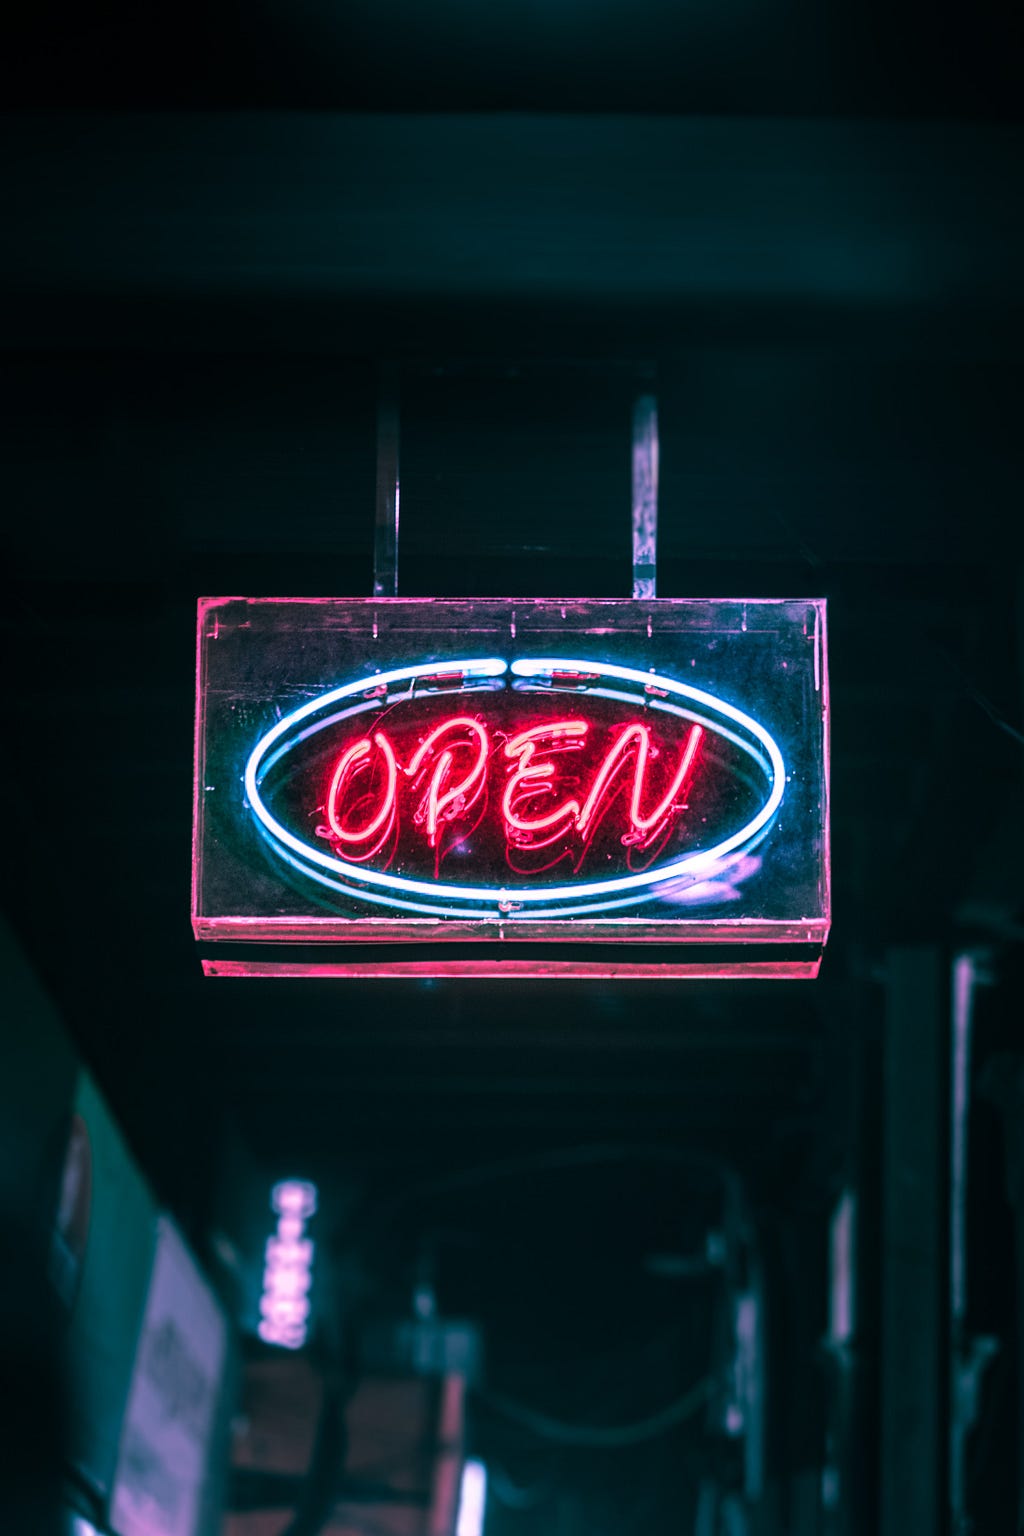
x: 385, y: 543
x: 645, y: 496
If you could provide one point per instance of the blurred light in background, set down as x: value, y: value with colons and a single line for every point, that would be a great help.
x: 472, y: 1500
x: 288, y: 1270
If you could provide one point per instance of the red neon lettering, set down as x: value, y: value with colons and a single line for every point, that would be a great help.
x: 353, y: 761
x: 639, y: 736
x: 532, y: 778
x: 458, y: 797
x: 531, y: 784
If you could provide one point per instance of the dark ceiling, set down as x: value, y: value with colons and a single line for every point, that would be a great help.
x: 772, y: 57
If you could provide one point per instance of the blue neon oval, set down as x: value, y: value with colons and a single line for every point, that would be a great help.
x: 436, y: 894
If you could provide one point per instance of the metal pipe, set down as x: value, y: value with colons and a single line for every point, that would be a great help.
x: 645, y: 497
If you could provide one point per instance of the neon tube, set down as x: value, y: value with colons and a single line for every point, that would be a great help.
x: 642, y: 736
x: 358, y: 753
x: 531, y: 778
x: 503, y: 897
x: 436, y: 802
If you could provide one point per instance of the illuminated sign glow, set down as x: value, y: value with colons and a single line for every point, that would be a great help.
x: 607, y: 800
x: 515, y: 786
x: 529, y: 781
x: 288, y: 1267
x: 472, y: 1499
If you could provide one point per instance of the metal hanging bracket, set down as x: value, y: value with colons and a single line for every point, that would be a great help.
x: 386, y: 527
x: 385, y: 543
x: 645, y: 497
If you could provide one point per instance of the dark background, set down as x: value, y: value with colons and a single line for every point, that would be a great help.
x: 802, y: 227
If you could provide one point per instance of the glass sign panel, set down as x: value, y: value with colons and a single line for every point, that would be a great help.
x: 515, y: 787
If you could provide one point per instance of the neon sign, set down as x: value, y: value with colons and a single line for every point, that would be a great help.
x: 482, y: 770
x: 288, y: 1267
x: 527, y: 782
x: 458, y: 771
